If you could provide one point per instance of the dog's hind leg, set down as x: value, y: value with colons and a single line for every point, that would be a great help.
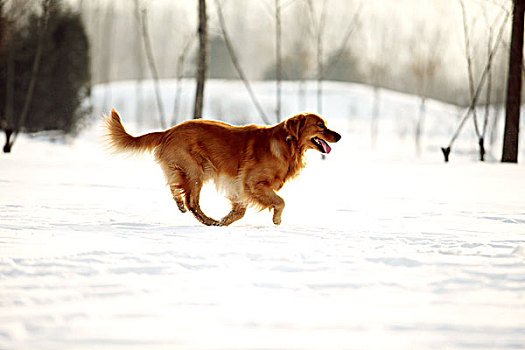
x: 185, y: 180
x: 192, y: 195
x: 237, y: 212
x: 176, y: 179
x: 176, y: 192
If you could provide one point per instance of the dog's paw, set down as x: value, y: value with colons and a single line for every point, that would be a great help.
x: 277, y: 220
x: 212, y: 222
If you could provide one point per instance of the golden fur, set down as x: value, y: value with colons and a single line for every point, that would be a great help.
x: 250, y: 163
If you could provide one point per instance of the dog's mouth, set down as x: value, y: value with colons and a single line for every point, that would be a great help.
x: 321, y: 144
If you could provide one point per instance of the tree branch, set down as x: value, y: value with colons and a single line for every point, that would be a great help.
x: 469, y: 63
x: 237, y: 64
x: 143, y: 20
x: 473, y: 102
x: 344, y: 43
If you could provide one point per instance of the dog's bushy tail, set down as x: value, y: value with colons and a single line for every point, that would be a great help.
x: 120, y: 140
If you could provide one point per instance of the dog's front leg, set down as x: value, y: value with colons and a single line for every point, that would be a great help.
x: 237, y: 212
x: 267, y: 198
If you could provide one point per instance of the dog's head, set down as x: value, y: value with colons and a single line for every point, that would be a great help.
x: 310, y: 131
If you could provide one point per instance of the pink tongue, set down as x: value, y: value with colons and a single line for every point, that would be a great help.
x: 325, y: 146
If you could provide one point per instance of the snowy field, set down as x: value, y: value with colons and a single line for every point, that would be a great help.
x: 378, y: 249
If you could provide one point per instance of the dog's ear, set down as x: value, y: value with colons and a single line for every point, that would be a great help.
x: 294, y: 125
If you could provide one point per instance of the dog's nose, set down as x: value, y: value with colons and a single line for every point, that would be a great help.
x: 337, y: 137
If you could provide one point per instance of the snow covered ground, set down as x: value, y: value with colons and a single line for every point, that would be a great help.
x: 378, y: 249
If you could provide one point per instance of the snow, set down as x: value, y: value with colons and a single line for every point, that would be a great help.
x: 378, y: 249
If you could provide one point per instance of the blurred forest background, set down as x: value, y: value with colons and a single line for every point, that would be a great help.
x: 390, y: 44
x: 455, y: 51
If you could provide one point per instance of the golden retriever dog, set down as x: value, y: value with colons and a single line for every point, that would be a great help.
x: 249, y: 163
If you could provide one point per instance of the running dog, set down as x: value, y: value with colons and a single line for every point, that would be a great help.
x: 249, y: 163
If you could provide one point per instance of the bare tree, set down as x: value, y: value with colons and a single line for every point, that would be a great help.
x: 480, y: 131
x: 489, y: 88
x: 378, y: 69
x: 498, y: 101
x: 32, y: 82
x: 139, y: 57
x: 2, y: 24
x: 468, y: 57
x: 277, y: 14
x: 6, y: 122
x: 143, y: 20
x: 237, y: 65
x: 318, y: 25
x: 425, y: 64
x: 104, y: 40
x: 474, y: 100
x: 202, y: 60
x: 302, y: 52
x: 512, y: 117
x: 343, y: 45
x: 180, y: 74
x: 277, y: 11
x: 96, y: 43
x: 278, y: 60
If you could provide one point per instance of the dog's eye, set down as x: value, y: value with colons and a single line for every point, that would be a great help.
x: 321, y: 126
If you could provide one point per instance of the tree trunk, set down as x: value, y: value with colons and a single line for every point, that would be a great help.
x: 237, y: 65
x: 320, y: 66
x: 512, y: 117
x: 9, y: 88
x: 178, y: 88
x: 278, y: 60
x: 419, y: 124
x: 3, y: 25
x: 36, y: 66
x: 446, y: 150
x: 139, y: 60
x: 318, y: 32
x: 153, y: 67
x: 107, y: 53
x: 8, y: 142
x: 180, y: 74
x: 202, y: 62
